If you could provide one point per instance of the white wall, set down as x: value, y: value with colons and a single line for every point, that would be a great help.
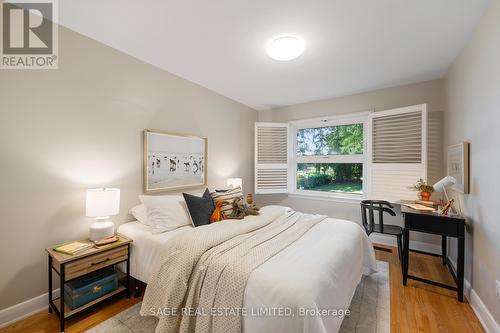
x: 80, y: 126
x: 473, y: 114
x: 431, y: 93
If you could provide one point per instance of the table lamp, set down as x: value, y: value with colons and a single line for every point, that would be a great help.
x: 443, y: 184
x: 102, y: 203
x: 234, y: 182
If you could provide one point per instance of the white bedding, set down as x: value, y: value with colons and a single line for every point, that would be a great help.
x: 145, y: 247
x: 319, y: 271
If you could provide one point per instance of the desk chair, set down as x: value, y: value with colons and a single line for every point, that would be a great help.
x: 368, y: 207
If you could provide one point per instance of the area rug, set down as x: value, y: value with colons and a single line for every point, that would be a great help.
x: 370, y: 310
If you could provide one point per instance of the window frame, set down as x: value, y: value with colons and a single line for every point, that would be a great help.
x: 350, y: 119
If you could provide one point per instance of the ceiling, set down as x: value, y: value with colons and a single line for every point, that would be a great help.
x: 352, y: 45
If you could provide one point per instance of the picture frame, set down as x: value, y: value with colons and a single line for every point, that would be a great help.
x: 173, y: 161
x: 458, y: 166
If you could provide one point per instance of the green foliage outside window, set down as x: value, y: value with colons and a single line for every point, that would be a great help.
x: 331, y: 140
x: 330, y: 177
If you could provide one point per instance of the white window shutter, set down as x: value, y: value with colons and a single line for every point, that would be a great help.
x: 434, y: 149
x: 398, y: 152
x: 271, y: 158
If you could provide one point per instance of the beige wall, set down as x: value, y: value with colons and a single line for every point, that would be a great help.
x: 473, y: 114
x: 431, y: 92
x: 63, y: 131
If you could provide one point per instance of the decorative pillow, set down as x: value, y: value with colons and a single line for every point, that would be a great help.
x: 166, y: 212
x: 200, y: 209
x: 140, y: 214
x: 229, y: 196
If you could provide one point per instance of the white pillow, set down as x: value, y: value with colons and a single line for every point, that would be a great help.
x: 166, y: 212
x: 140, y: 214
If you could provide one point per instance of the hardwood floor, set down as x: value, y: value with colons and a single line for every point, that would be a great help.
x: 420, y: 307
x: 416, y: 308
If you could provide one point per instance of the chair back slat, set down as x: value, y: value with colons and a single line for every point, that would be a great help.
x: 381, y: 219
x: 372, y: 218
x: 364, y: 221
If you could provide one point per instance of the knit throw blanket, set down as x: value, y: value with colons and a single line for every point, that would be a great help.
x: 199, y: 282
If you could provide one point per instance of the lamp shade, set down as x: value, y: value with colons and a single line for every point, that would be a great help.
x: 234, y: 182
x: 102, y: 202
x: 444, y: 183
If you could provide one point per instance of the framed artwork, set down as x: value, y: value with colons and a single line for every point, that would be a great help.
x: 458, y: 166
x: 173, y: 161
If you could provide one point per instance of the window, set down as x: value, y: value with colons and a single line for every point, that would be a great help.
x: 329, y: 157
x: 330, y: 177
x: 330, y: 140
x: 372, y: 155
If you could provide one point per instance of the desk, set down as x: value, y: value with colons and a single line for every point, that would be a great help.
x: 433, y: 223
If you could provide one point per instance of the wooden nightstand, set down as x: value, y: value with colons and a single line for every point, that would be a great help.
x: 70, y: 267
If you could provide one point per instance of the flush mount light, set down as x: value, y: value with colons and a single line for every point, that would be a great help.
x: 285, y: 48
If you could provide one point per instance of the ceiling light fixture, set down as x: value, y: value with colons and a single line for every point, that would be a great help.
x: 285, y: 48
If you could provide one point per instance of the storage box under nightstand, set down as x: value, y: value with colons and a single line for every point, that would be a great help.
x: 87, y: 288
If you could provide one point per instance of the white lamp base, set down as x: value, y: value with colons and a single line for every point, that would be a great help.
x: 101, y: 229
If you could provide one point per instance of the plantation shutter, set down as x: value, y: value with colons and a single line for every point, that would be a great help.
x: 271, y: 158
x: 398, y: 152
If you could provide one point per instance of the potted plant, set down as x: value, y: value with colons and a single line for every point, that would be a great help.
x: 424, y: 189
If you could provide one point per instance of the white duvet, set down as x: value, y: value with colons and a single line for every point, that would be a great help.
x: 318, y: 272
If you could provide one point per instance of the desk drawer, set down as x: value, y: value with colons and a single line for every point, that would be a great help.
x: 92, y: 263
x: 429, y: 224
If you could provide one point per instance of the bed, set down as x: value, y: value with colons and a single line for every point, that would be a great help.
x: 318, y: 271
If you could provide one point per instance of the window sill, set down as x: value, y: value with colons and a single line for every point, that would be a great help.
x: 327, y: 197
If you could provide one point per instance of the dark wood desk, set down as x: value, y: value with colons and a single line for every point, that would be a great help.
x: 433, y: 223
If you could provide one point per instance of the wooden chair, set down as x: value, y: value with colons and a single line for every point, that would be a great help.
x: 368, y: 209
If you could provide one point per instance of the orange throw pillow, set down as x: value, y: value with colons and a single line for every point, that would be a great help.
x: 218, y: 215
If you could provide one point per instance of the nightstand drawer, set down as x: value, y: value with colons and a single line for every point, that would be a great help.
x: 92, y: 263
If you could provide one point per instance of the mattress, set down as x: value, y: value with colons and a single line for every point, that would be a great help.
x: 319, y: 271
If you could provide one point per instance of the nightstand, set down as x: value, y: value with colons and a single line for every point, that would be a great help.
x: 70, y: 267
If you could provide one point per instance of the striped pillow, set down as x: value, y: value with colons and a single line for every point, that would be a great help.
x: 229, y: 196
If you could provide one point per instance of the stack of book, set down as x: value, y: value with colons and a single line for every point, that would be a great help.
x: 433, y: 204
x: 74, y: 247
x: 423, y: 206
x: 419, y: 207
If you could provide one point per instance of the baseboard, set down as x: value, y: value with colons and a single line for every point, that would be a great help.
x: 415, y: 245
x: 25, y: 309
x: 482, y: 313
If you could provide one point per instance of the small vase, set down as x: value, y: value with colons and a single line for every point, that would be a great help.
x: 249, y: 198
x: 426, y: 196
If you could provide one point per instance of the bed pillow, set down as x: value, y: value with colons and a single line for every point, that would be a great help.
x: 229, y: 196
x: 140, y: 214
x: 165, y: 212
x: 200, y: 208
